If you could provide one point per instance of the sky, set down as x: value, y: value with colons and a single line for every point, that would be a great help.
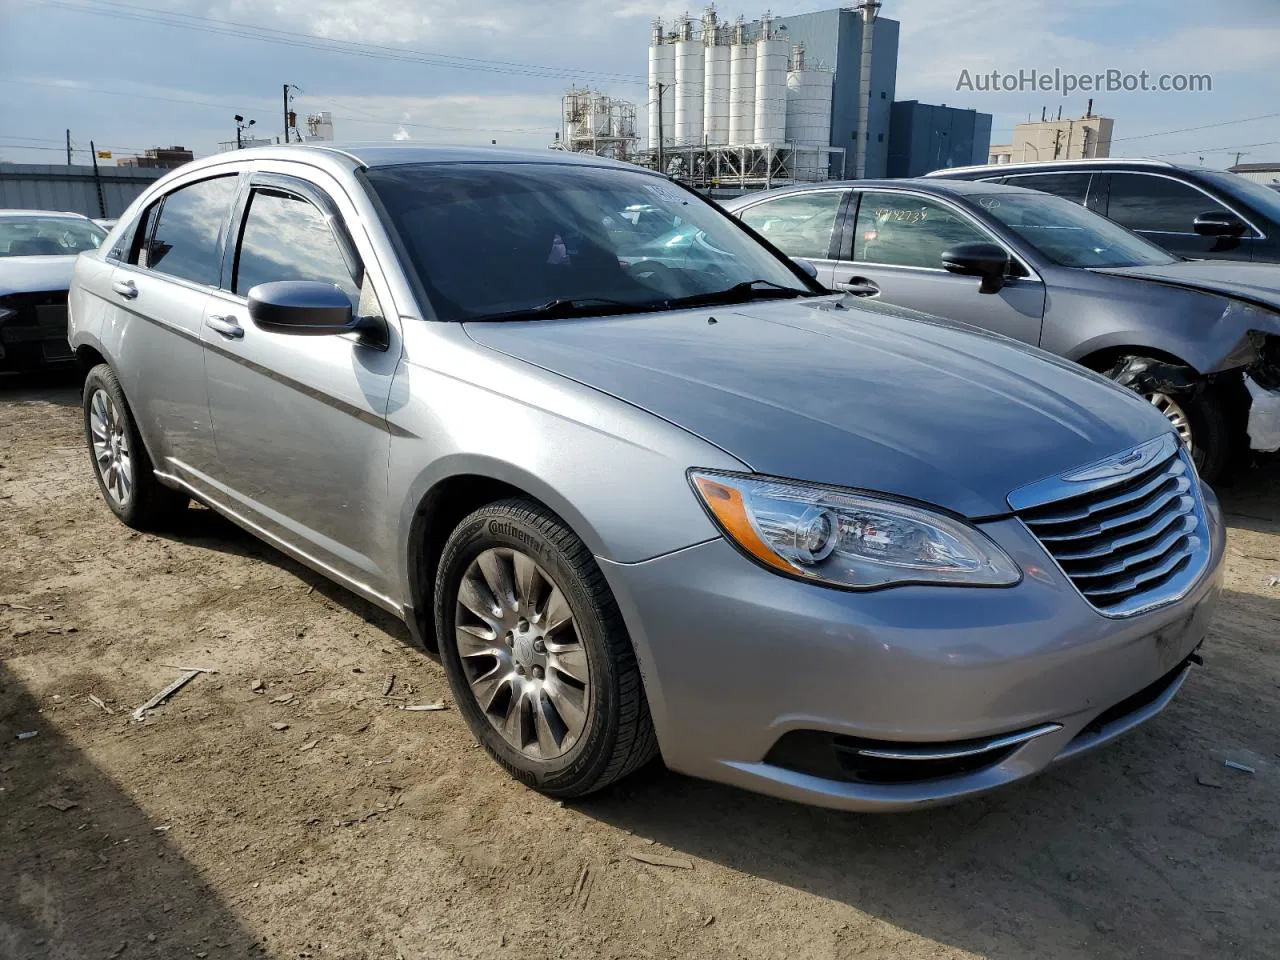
x: 132, y: 74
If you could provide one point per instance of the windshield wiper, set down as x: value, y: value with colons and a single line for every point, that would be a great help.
x: 565, y: 307
x: 741, y: 293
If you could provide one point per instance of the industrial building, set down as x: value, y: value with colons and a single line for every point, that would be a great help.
x: 924, y: 137
x: 775, y: 99
x: 1076, y: 138
x: 594, y: 123
x: 1267, y: 174
x: 158, y: 158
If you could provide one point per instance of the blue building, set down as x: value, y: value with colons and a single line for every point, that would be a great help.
x: 924, y: 137
x: 833, y: 40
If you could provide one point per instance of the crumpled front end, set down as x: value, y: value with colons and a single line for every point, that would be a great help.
x: 1262, y: 380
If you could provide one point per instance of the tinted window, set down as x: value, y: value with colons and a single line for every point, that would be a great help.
x: 1068, y: 234
x: 185, y: 242
x: 287, y: 238
x: 799, y: 225
x: 1068, y: 186
x: 1143, y: 202
x: 495, y: 238
x: 908, y: 231
x: 1260, y: 197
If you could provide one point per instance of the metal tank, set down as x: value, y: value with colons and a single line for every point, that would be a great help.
x: 715, y: 93
x: 771, y: 86
x: 742, y: 88
x: 809, y: 120
x: 689, y: 84
x: 662, y: 70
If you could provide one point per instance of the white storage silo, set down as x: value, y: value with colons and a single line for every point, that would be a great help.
x: 771, y: 91
x: 689, y: 84
x: 662, y: 70
x: 809, y: 119
x: 742, y: 90
x: 715, y: 98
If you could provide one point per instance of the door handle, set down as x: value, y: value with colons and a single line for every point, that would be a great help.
x: 859, y: 287
x: 226, y: 326
x: 125, y: 288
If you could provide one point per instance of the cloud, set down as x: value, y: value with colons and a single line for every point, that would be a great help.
x: 401, y: 134
x: 512, y: 119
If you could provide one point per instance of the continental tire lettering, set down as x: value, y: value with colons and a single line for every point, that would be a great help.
x: 503, y: 528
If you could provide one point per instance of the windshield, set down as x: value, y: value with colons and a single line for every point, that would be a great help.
x: 1068, y: 234
x: 490, y: 240
x: 1265, y: 200
x: 48, y: 236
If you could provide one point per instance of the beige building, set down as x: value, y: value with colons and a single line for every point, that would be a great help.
x: 1079, y: 139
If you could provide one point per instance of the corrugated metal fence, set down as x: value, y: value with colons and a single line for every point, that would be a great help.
x: 38, y: 186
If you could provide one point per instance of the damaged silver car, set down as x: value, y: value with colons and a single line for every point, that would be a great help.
x: 1199, y: 339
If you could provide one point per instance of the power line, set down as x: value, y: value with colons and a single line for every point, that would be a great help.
x: 1207, y: 126
x: 1228, y: 149
x: 214, y: 105
x: 264, y: 34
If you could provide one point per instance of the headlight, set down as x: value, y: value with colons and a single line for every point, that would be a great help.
x: 846, y: 539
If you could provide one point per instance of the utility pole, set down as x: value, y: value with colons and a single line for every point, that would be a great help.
x: 662, y: 88
x: 287, y: 125
x: 1057, y: 143
x: 97, y: 180
x: 68, y: 146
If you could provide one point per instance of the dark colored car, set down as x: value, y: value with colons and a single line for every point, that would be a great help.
x: 1200, y: 340
x: 1195, y: 213
x: 38, y: 251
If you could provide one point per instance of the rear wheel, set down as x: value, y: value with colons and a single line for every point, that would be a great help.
x: 536, y: 652
x: 120, y: 462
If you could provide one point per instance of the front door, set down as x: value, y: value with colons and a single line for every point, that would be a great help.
x: 300, y: 420
x: 1164, y: 211
x: 894, y: 253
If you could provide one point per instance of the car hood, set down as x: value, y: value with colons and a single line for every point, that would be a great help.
x: 35, y: 274
x: 860, y: 397
x: 1256, y: 282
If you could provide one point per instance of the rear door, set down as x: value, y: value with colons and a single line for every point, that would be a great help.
x: 803, y: 225
x: 300, y: 420
x: 893, y: 250
x: 157, y: 293
x: 1163, y: 209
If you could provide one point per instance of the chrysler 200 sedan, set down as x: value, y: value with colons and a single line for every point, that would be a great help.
x: 825, y: 550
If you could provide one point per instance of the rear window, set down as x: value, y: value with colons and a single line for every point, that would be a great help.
x: 185, y: 243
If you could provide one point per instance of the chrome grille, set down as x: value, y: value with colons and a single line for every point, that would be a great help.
x: 1129, y: 532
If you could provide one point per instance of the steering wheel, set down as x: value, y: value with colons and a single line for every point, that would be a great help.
x: 658, y: 276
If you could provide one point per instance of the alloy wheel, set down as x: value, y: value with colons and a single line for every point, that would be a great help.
x: 521, y: 653
x: 1176, y: 415
x: 112, y: 453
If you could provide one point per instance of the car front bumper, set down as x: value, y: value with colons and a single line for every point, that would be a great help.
x: 735, y: 659
x: 33, y: 331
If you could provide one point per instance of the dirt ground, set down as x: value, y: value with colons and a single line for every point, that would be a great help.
x: 284, y: 807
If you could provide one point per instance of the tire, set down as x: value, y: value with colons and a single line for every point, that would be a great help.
x: 575, y: 715
x: 131, y: 489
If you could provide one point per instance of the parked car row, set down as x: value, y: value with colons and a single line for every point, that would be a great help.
x: 645, y: 485
x: 1199, y: 339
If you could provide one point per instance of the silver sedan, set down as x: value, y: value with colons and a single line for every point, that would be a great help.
x: 642, y: 484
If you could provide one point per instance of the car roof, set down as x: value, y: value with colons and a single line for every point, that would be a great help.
x: 393, y: 153
x: 66, y: 214
x: 1090, y: 163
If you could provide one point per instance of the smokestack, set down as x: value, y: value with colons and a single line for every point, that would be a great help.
x: 869, y: 10
x: 1059, y: 111
x: 1089, y: 111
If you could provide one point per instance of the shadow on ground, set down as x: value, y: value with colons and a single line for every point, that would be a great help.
x: 84, y: 872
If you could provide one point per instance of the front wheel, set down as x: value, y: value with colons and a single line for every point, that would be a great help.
x: 536, y: 652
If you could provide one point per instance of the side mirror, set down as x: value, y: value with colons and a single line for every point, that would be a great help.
x: 986, y: 260
x: 306, y: 308
x: 806, y: 266
x: 1219, y: 223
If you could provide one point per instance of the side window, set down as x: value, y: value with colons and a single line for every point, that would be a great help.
x: 135, y: 245
x: 1158, y: 204
x: 902, y: 230
x: 287, y: 238
x: 185, y: 241
x: 800, y: 225
x: 1068, y: 186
